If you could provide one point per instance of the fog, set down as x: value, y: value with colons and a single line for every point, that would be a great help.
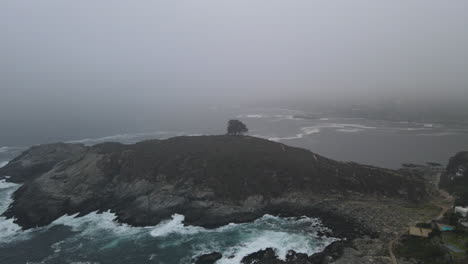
x: 85, y: 63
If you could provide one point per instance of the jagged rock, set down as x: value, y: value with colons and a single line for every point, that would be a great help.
x: 262, y: 257
x: 212, y: 180
x: 40, y: 159
x: 210, y: 258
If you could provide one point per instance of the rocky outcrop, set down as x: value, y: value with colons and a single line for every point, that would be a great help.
x: 212, y: 180
x: 40, y: 159
x: 210, y: 258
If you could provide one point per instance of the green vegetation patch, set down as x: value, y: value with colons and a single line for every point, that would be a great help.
x: 421, y: 249
x: 457, y: 239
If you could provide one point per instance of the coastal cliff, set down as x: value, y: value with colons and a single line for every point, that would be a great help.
x: 212, y: 180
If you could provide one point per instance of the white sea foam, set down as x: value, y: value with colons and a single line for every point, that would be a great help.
x: 349, y: 130
x: 3, y: 163
x: 10, y: 149
x: 439, y: 134
x: 91, y: 222
x: 415, y: 128
x: 4, y: 184
x: 280, y: 234
x: 276, y: 139
x: 259, y: 116
x: 253, y: 116
x: 175, y: 226
x: 280, y: 241
x: 4, y: 149
x: 8, y: 229
x: 288, y: 117
x: 128, y: 138
x: 352, y: 125
x: 309, y: 130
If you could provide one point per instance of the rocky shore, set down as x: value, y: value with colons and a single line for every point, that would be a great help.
x: 215, y: 180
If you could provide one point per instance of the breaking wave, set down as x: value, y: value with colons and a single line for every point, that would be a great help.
x: 99, y: 236
x: 259, y: 116
x: 236, y: 241
x: 174, y: 226
x: 8, y: 228
x: 3, y: 163
x: 309, y: 130
x: 349, y: 130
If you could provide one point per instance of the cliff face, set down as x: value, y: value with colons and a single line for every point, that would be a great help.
x: 212, y: 180
x: 40, y: 159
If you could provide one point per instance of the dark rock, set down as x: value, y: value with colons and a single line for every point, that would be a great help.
x: 269, y: 256
x: 212, y: 180
x: 40, y: 159
x: 455, y: 180
x: 262, y: 257
x: 210, y: 258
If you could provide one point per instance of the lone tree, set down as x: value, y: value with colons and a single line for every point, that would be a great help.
x: 236, y: 128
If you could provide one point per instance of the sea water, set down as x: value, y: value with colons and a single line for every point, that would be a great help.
x: 98, y: 238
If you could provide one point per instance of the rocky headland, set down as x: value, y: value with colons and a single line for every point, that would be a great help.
x: 215, y: 180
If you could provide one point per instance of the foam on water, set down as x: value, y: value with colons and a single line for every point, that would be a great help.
x: 438, y: 134
x: 92, y: 222
x: 3, y: 149
x: 8, y: 229
x: 129, y: 138
x: 173, y: 242
x: 305, y: 131
x: 255, y: 116
x: 174, y: 226
x: 5, y: 185
x: 280, y: 241
x: 3, y: 163
x: 280, y: 234
x: 235, y: 241
x: 98, y: 235
x: 259, y: 116
x: 349, y: 130
x: 309, y: 130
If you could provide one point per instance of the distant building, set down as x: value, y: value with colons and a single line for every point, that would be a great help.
x: 462, y: 210
x: 420, y: 232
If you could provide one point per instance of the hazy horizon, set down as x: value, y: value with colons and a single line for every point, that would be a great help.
x: 76, y: 65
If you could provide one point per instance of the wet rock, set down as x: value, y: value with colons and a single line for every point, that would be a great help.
x: 262, y: 257
x: 40, y: 159
x: 210, y: 258
x: 213, y: 181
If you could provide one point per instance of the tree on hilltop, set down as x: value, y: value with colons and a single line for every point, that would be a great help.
x: 236, y: 128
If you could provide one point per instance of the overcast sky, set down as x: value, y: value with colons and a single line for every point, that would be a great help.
x: 57, y: 56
